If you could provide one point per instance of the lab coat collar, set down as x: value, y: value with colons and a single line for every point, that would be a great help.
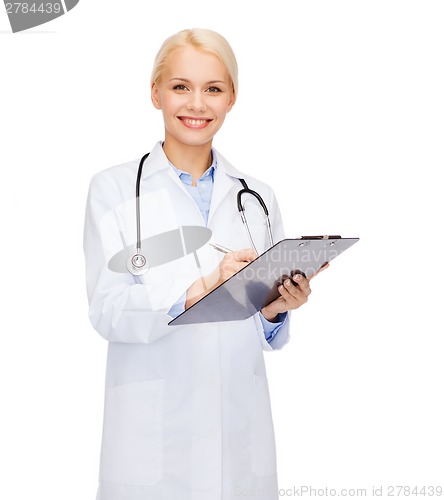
x: 225, y: 176
x: 227, y: 167
x: 158, y: 161
x: 155, y: 162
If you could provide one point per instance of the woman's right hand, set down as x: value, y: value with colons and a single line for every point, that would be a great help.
x: 234, y: 262
x: 231, y: 263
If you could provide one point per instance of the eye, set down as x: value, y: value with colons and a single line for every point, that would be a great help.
x: 180, y: 87
x: 214, y: 90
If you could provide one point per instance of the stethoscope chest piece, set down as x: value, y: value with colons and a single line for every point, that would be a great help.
x: 137, y: 264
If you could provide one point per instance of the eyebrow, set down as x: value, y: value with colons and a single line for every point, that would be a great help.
x: 188, y: 81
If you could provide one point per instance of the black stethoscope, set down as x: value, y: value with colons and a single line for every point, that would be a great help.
x: 138, y: 264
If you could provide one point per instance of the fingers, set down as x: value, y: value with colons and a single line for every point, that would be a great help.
x: 295, y: 293
x: 244, y: 255
x: 293, y: 297
x: 233, y: 262
x: 303, y: 284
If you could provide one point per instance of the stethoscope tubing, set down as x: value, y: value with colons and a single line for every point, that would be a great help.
x: 240, y: 207
x: 139, y: 175
x: 140, y: 269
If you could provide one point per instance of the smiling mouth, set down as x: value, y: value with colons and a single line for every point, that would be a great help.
x: 196, y: 123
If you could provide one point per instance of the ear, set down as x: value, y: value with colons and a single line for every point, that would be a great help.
x: 155, y: 96
x: 230, y: 102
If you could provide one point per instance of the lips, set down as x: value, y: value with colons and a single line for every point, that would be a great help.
x: 195, y: 123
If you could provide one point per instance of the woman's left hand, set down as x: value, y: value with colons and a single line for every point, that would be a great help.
x: 294, y: 292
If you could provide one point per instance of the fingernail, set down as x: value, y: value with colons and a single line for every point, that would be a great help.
x: 280, y: 288
x: 297, y: 277
x: 288, y: 282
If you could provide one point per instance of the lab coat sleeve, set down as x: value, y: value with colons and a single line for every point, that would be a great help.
x: 283, y: 334
x: 120, y: 308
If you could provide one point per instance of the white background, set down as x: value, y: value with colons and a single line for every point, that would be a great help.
x: 341, y: 111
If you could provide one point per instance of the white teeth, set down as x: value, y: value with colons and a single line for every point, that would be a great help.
x: 194, y: 122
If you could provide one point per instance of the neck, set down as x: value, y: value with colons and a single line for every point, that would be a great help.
x: 192, y: 159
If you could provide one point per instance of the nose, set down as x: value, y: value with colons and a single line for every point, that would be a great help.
x: 196, y: 102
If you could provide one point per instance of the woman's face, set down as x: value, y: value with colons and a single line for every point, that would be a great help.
x: 194, y: 95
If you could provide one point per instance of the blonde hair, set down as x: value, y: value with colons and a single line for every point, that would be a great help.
x: 202, y: 39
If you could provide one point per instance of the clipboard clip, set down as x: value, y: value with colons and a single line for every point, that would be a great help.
x: 321, y: 237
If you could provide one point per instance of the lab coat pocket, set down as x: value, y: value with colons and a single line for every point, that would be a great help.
x: 263, y: 451
x: 132, y: 433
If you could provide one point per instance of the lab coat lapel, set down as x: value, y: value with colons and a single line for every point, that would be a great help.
x: 223, y: 183
x: 156, y: 162
x: 226, y: 178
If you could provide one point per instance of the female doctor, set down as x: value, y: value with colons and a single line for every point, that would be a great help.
x: 187, y: 412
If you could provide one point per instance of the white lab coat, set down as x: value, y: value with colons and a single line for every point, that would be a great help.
x: 187, y: 411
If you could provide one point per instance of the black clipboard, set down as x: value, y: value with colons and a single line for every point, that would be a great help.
x: 256, y: 285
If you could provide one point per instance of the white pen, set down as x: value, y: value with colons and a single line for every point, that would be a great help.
x: 220, y: 248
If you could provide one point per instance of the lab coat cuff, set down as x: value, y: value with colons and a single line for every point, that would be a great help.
x: 282, y: 336
x: 261, y: 333
x: 271, y: 328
